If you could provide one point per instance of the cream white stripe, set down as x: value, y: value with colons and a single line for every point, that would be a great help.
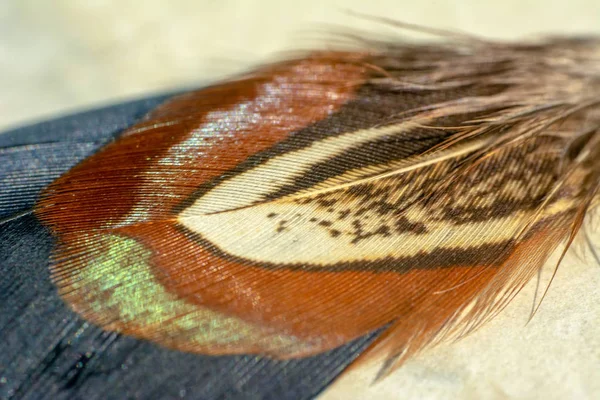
x: 256, y: 237
x: 253, y: 185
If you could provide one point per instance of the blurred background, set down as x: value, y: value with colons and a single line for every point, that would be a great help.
x: 61, y: 56
x: 64, y: 55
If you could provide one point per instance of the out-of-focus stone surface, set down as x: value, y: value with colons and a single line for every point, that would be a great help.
x: 62, y: 55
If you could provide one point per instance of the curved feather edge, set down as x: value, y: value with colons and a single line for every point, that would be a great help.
x: 496, y: 107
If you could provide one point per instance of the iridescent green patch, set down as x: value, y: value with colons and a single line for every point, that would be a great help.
x: 121, y: 290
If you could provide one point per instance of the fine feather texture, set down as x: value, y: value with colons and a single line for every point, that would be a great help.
x: 48, y: 351
x: 416, y: 188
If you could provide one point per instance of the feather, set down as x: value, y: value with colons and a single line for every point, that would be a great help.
x: 48, y: 351
x: 409, y: 189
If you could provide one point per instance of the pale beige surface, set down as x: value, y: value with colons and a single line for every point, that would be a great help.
x: 59, y: 55
x: 63, y: 55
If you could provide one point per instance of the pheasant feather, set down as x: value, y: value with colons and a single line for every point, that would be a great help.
x: 410, y: 190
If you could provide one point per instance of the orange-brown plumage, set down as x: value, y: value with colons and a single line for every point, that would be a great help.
x: 410, y: 189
